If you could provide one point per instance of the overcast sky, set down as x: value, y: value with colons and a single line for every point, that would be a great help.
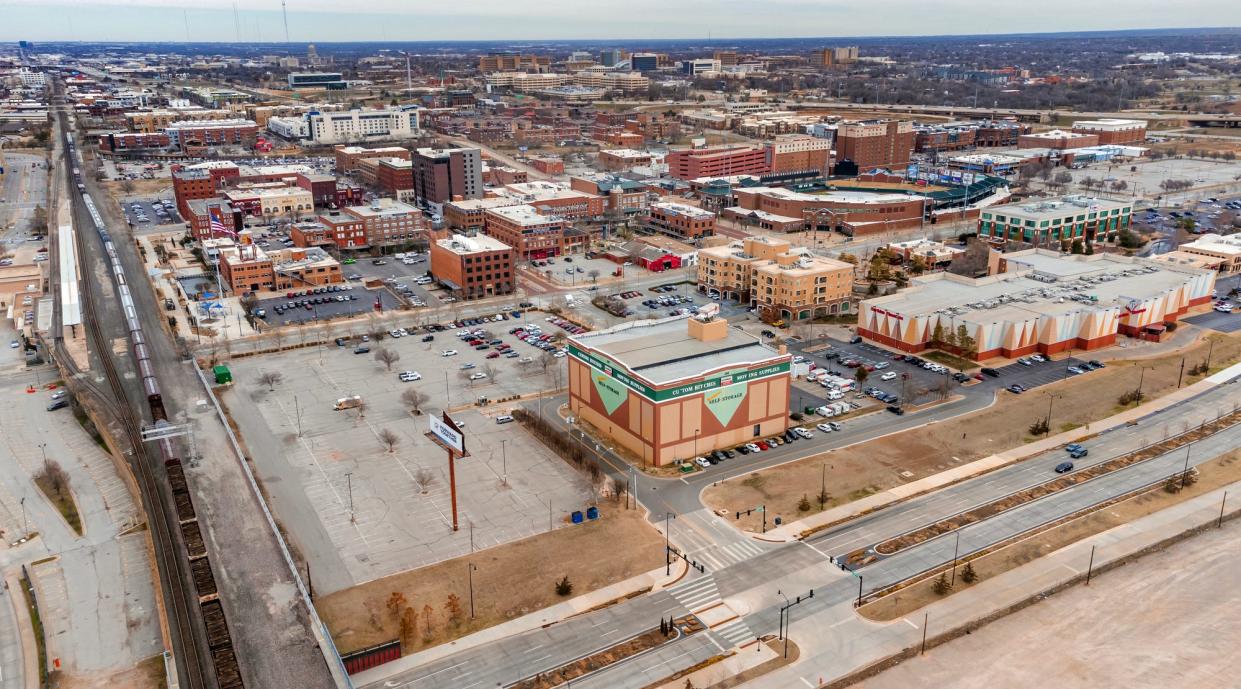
x: 395, y: 20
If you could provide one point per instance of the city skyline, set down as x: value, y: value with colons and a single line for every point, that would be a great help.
x: 314, y: 20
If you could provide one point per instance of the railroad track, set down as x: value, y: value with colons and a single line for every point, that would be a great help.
x: 174, y: 569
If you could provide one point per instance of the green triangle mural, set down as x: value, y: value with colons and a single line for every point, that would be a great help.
x: 723, y: 402
x: 612, y: 393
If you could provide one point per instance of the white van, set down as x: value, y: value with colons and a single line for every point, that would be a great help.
x: 504, y: 418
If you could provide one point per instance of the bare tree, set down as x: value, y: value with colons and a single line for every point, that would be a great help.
x: 491, y: 371
x: 389, y: 439
x: 414, y: 399
x: 593, y: 274
x: 271, y: 379
x: 277, y: 336
x: 57, y: 477
x: 387, y: 357
x: 425, y: 478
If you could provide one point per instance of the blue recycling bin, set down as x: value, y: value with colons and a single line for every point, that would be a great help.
x: 577, y: 516
x: 592, y: 512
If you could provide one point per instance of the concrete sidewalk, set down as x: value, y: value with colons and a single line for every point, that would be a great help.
x: 792, y: 530
x: 655, y: 579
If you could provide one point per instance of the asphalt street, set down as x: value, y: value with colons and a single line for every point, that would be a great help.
x: 750, y: 583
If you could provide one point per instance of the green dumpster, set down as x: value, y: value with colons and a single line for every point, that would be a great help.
x: 222, y: 375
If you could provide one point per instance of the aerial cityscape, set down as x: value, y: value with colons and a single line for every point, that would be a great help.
x: 660, y: 346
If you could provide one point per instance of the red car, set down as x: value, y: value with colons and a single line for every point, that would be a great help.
x: 762, y: 445
x: 493, y: 355
x: 869, y: 368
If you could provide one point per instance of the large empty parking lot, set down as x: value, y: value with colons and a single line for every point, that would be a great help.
x: 509, y: 487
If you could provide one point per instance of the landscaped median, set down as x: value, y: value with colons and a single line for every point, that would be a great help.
x: 791, y: 491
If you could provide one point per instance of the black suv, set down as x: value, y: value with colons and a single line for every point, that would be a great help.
x: 991, y: 372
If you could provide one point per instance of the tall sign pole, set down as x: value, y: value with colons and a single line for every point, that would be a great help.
x: 447, y: 434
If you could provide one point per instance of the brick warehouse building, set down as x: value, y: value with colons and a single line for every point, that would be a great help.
x: 679, y: 387
x: 1113, y: 131
x: 532, y: 236
x: 473, y: 267
x: 681, y: 221
x: 1037, y: 301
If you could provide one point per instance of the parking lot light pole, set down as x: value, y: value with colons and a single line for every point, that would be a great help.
x: 471, y: 576
x: 1185, y: 471
x: 349, y: 488
x: 504, y: 460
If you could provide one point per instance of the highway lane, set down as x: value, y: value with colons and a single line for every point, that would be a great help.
x: 954, y: 499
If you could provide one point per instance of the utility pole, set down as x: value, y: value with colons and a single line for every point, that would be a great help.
x: 43, y: 451
x: 1185, y: 471
x: 1180, y: 376
x: 298, y: 411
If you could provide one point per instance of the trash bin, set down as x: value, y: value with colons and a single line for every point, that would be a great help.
x: 779, y: 521
x: 577, y: 516
x: 592, y: 512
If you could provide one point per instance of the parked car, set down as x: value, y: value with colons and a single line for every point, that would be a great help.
x: 58, y: 404
x: 449, y: 352
x: 990, y: 372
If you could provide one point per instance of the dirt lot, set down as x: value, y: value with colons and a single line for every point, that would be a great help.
x: 860, y: 470
x: 511, y: 580
x: 1212, y: 475
x: 1183, y: 633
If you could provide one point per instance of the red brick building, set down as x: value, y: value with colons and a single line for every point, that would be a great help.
x: 347, y: 157
x: 1057, y: 139
x: 198, y: 213
x: 724, y: 161
x: 686, y: 223
x: 532, y: 236
x: 122, y: 142
x: 333, y: 228
x: 473, y: 267
x: 885, y: 144
x: 1113, y: 131
x: 789, y: 153
x: 548, y: 166
x: 394, y: 174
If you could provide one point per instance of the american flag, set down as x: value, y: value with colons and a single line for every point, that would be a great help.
x: 217, y: 222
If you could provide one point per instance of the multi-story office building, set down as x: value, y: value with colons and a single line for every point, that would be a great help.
x: 333, y: 229
x: 1056, y: 222
x: 644, y: 62
x: 885, y: 144
x: 678, y: 220
x: 316, y: 80
x: 533, y: 236
x: 513, y: 62
x: 363, y: 125
x: 444, y: 174
x: 723, y: 161
x: 1058, y: 139
x: 836, y: 57
x: 390, y: 223
x: 798, y: 153
x: 347, y: 157
x: 473, y: 267
x: 1225, y: 249
x: 212, y: 133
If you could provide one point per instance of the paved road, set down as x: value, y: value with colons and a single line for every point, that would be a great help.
x: 750, y: 584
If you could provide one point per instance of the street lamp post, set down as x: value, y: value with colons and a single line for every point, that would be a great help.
x: 471, y: 576
x: 668, y: 517
x: 956, y: 549
x: 1185, y: 471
